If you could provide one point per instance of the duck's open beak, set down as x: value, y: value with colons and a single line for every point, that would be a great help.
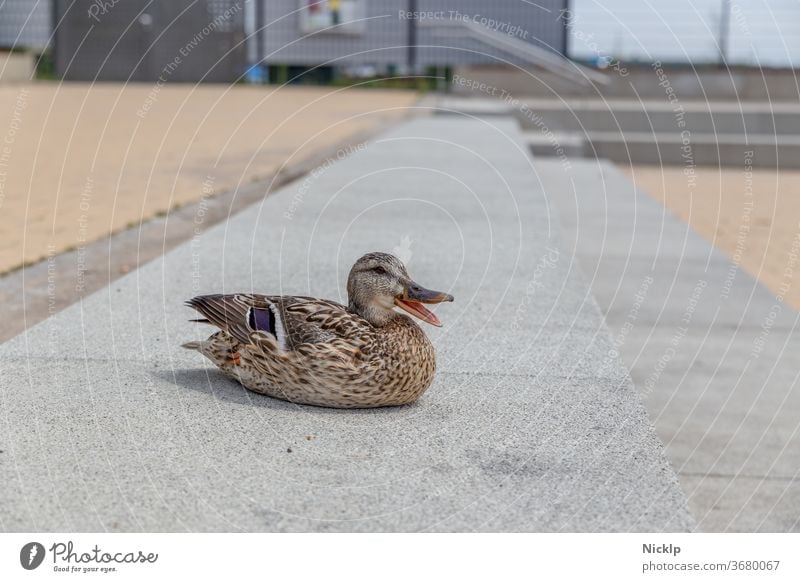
x: 413, y: 298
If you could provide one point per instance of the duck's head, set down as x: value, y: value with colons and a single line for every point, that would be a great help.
x: 379, y: 282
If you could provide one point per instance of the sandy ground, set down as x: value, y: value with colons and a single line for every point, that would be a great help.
x: 752, y: 215
x: 78, y: 161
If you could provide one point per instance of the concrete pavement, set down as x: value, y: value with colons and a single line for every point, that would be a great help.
x: 712, y: 351
x: 529, y: 426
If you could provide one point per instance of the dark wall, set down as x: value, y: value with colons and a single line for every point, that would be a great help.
x: 25, y: 24
x: 146, y: 40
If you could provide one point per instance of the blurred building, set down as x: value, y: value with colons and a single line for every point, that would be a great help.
x: 410, y: 35
x: 219, y: 40
x: 194, y: 40
x: 144, y: 40
x: 205, y: 40
x: 25, y: 32
x: 25, y: 24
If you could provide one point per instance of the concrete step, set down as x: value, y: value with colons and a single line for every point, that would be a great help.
x: 664, y: 117
x: 694, y: 149
x: 531, y: 424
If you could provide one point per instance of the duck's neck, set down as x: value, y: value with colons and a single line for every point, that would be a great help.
x: 377, y: 315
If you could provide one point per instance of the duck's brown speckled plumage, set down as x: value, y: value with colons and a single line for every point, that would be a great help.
x: 328, y: 355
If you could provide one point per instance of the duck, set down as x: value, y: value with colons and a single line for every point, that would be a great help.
x: 318, y: 352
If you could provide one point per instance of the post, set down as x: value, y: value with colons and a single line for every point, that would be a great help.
x: 259, y: 32
x: 412, y: 38
x: 724, y: 31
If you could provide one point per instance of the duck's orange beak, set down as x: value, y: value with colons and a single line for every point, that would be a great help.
x: 413, y: 298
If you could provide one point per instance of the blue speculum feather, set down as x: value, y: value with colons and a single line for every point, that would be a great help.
x: 261, y: 320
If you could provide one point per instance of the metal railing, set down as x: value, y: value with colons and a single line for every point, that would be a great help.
x: 525, y: 51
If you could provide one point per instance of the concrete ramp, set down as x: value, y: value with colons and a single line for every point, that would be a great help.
x: 532, y: 423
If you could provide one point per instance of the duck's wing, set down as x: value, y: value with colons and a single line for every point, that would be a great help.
x: 289, y: 320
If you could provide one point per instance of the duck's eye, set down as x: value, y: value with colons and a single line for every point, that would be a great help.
x: 380, y: 270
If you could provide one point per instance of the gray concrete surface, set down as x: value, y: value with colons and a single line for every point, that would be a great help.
x: 529, y: 426
x: 713, y: 352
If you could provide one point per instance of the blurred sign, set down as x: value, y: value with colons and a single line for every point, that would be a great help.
x: 334, y: 16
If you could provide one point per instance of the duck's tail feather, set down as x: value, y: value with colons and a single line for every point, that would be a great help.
x: 227, y: 312
x: 239, y: 314
x: 197, y: 346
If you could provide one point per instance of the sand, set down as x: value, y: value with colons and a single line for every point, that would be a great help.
x: 752, y: 215
x: 78, y: 162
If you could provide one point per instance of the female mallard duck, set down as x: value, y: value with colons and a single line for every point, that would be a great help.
x: 313, y: 351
